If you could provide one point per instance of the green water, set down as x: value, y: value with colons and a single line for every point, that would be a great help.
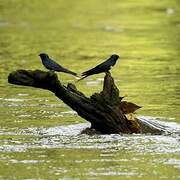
x: 39, y: 135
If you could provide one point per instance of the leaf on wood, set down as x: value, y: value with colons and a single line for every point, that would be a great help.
x: 128, y: 107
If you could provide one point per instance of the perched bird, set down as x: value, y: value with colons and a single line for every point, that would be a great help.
x: 52, y: 65
x: 103, y: 67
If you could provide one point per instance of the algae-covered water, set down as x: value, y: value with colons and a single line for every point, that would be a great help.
x: 40, y: 136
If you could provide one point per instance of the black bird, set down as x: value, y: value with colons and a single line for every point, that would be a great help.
x: 52, y: 65
x: 103, y: 67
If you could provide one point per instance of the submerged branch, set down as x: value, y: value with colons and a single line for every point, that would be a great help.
x: 106, y: 111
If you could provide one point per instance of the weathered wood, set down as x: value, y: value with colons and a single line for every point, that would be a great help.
x: 106, y: 111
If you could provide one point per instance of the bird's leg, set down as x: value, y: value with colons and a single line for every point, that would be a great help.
x: 108, y: 73
x: 51, y: 71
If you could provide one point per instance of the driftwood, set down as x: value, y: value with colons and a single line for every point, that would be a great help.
x: 106, y: 111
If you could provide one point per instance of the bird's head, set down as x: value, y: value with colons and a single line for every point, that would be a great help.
x: 114, y: 57
x: 43, y: 55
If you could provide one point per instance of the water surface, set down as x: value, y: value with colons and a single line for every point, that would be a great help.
x: 40, y: 136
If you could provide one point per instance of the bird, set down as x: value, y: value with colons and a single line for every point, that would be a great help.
x: 52, y: 65
x: 103, y: 67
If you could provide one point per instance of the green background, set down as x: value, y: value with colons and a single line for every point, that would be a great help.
x: 80, y: 34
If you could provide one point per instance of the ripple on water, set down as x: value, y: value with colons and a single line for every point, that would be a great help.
x: 172, y: 161
x: 70, y: 137
x: 3, y: 23
x: 13, y: 148
x: 28, y: 102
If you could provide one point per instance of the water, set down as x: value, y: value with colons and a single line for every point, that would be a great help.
x: 40, y: 136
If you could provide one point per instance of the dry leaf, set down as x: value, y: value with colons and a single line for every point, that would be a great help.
x: 128, y: 107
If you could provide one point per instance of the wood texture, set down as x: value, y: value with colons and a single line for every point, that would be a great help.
x: 106, y: 111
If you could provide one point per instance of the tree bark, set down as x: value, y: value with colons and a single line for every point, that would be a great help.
x: 106, y: 111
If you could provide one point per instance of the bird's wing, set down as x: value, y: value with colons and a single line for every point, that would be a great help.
x: 53, y: 64
x: 60, y: 68
x: 92, y: 71
x: 98, y: 69
x: 67, y: 71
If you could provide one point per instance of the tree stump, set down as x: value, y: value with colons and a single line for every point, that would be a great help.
x: 106, y: 111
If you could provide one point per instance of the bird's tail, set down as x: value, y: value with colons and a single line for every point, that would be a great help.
x: 73, y: 73
x: 82, y: 78
x: 69, y: 72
